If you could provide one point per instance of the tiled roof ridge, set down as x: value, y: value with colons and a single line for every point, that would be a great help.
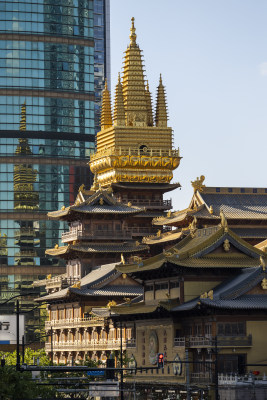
x: 242, y: 287
x: 101, y: 282
x: 233, y: 190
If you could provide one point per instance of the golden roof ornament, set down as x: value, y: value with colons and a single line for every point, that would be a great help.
x: 149, y: 106
x: 226, y: 245
x: 263, y: 264
x: 264, y: 283
x: 211, y: 209
x: 119, y: 112
x: 122, y: 259
x: 77, y: 285
x: 193, y: 227
x: 81, y: 188
x: 106, y: 116
x: 101, y: 201
x: 161, y: 117
x: 224, y: 223
x: 133, y: 34
x: 49, y: 276
x: 111, y: 303
x: 198, y: 184
x: 56, y: 246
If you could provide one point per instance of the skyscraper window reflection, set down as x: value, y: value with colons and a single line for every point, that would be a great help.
x: 52, y: 72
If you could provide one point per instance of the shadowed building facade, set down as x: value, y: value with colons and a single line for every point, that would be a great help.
x: 54, y: 60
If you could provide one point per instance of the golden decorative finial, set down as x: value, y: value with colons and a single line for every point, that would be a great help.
x: 77, y: 285
x: 127, y: 300
x: 81, y: 188
x: 226, y: 245
x: 56, y: 246
x: 210, y: 294
x: 149, y: 106
x: 122, y: 259
x: 49, y: 276
x: 263, y: 264
x: 198, y: 183
x: 210, y: 209
x: 124, y: 276
x: 63, y: 208
x: 264, y: 283
x: 159, y: 233
x: 161, y: 117
x: 224, y: 223
x: 133, y: 34
x: 106, y: 116
x: 111, y: 303
x: 22, y: 126
x: 119, y: 112
x: 101, y: 201
x: 193, y: 227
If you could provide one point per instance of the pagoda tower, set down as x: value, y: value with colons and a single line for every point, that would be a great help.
x: 135, y: 154
x: 26, y: 199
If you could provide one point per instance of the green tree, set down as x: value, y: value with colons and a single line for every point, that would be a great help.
x: 16, y: 385
x: 11, y: 358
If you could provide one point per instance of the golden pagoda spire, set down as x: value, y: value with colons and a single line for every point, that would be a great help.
x: 135, y: 103
x: 149, y: 106
x: 133, y: 34
x: 22, y: 126
x: 119, y: 113
x: 161, y: 116
x: 106, y: 116
x: 23, y: 147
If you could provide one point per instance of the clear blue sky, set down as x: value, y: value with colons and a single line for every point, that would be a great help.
x: 213, y: 60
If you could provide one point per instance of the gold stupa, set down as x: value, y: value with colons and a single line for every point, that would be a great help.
x: 132, y: 146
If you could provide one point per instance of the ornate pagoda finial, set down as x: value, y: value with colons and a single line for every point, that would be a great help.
x: 22, y: 126
x: 106, y: 116
x: 133, y: 34
x: 119, y: 112
x: 133, y: 85
x: 198, y: 184
x: 161, y: 117
x: 224, y: 223
x: 149, y: 106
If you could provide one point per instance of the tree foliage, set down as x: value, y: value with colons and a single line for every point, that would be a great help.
x: 29, y: 355
x: 16, y: 385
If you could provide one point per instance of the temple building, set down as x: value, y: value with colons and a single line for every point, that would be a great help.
x: 133, y: 168
x: 210, y: 286
x: 78, y: 335
x: 135, y: 154
x: 244, y: 208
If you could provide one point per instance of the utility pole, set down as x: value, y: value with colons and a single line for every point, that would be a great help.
x: 216, y: 378
x: 23, y: 348
x: 17, y: 336
x: 188, y: 396
x: 51, y: 334
x: 122, y: 397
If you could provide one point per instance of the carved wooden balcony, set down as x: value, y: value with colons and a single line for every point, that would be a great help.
x: 74, y: 323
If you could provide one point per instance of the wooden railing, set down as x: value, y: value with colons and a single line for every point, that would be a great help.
x: 74, y: 322
x: 207, y: 341
x: 87, y: 345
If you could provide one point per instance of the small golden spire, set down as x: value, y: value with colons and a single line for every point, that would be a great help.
x: 161, y: 117
x: 106, y: 116
x: 22, y: 126
x: 133, y: 85
x: 119, y: 112
x: 133, y: 34
x: 149, y: 106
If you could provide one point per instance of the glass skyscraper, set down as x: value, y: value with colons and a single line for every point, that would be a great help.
x: 54, y: 57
